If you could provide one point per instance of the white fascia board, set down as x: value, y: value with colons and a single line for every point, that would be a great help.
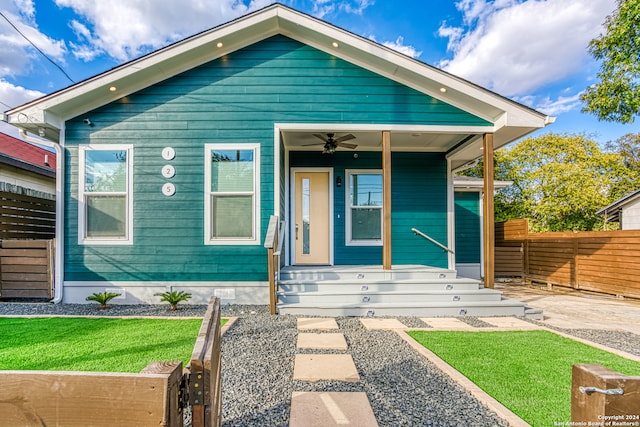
x: 364, y: 127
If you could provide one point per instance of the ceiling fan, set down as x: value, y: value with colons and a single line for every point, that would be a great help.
x: 331, y: 143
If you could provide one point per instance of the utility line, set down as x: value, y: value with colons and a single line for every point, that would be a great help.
x: 6, y: 105
x: 38, y: 49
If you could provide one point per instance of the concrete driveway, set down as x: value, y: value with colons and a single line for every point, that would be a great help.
x: 565, y: 308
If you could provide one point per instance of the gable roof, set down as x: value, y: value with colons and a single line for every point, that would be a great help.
x: 26, y: 156
x: 612, y: 212
x: 47, y: 114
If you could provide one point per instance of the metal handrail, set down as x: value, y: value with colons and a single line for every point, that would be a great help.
x: 432, y: 240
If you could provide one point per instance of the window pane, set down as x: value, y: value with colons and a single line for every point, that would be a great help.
x: 231, y: 170
x: 105, y: 171
x: 232, y: 216
x: 366, y: 224
x: 106, y: 216
x: 366, y: 189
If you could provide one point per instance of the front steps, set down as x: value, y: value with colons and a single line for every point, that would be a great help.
x: 403, y: 291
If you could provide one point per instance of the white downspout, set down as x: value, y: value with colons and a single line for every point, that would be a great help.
x: 59, y: 250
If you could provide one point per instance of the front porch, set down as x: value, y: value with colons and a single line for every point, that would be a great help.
x: 370, y: 290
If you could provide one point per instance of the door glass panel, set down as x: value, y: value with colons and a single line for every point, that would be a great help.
x: 306, y: 202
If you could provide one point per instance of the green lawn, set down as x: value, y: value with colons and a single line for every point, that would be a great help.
x: 529, y: 372
x: 79, y: 344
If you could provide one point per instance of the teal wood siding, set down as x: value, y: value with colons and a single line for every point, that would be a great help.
x: 419, y: 199
x: 467, y: 227
x: 235, y: 99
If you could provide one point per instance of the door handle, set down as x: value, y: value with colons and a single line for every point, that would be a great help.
x: 296, y: 231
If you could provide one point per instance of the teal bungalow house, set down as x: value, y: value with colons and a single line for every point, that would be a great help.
x: 176, y: 171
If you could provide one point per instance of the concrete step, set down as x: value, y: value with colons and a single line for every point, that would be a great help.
x: 365, y: 272
x: 479, y: 308
x: 399, y: 296
x: 370, y: 285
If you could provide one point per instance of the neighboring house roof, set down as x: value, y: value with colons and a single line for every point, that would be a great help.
x: 611, y: 213
x: 508, y: 120
x: 26, y: 156
x: 461, y: 182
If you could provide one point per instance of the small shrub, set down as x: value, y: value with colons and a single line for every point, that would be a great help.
x: 102, y: 298
x: 173, y: 298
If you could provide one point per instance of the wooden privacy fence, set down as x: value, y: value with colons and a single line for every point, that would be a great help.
x: 23, y: 216
x: 26, y: 268
x: 602, y: 397
x: 598, y: 261
x: 154, y: 397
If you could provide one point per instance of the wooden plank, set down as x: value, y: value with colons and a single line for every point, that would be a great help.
x: 24, y: 293
x: 13, y: 196
x: 28, y: 244
x: 489, y: 217
x: 24, y: 277
x: 23, y: 261
x: 23, y: 253
x: 71, y: 399
x: 386, y: 202
x: 594, y: 408
x: 205, y: 363
x: 13, y: 268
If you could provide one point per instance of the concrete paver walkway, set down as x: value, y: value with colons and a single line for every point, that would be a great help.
x: 323, y: 409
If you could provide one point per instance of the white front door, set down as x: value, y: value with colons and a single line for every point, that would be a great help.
x: 312, y: 217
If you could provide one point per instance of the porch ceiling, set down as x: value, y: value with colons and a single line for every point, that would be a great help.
x: 372, y: 140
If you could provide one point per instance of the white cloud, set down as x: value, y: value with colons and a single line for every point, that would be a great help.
x: 399, y: 45
x: 124, y: 29
x: 561, y: 105
x: 16, y: 54
x: 322, y: 8
x: 515, y: 47
x: 13, y: 96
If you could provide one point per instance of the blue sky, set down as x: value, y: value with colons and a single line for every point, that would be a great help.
x: 532, y: 51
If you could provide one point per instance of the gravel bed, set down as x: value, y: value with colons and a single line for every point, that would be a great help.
x: 403, y: 387
x: 258, y: 357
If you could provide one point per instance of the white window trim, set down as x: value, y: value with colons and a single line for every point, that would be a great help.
x: 347, y: 182
x: 255, y: 240
x: 82, y: 209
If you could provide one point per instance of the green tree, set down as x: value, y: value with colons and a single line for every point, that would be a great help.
x: 616, y: 97
x: 559, y: 182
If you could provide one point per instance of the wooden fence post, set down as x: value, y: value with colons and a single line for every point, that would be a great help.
x: 205, y: 382
x: 596, y: 396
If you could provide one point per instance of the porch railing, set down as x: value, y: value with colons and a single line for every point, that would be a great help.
x: 273, y: 243
x: 431, y: 239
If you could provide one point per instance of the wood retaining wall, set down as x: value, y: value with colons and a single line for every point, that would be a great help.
x: 155, y: 397
x: 598, y: 261
x: 26, y: 268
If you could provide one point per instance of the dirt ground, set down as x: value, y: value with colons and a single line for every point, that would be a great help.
x: 565, y: 308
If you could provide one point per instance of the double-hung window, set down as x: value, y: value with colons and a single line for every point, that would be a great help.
x: 105, y: 188
x: 232, y: 193
x: 364, y: 207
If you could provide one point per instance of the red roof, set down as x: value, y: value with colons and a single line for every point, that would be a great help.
x: 26, y: 152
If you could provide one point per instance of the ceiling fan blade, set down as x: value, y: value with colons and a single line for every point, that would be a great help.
x: 315, y: 143
x: 345, y: 138
x: 343, y: 145
x: 320, y: 136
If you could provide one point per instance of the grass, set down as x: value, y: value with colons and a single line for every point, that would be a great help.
x: 529, y: 372
x: 102, y: 345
